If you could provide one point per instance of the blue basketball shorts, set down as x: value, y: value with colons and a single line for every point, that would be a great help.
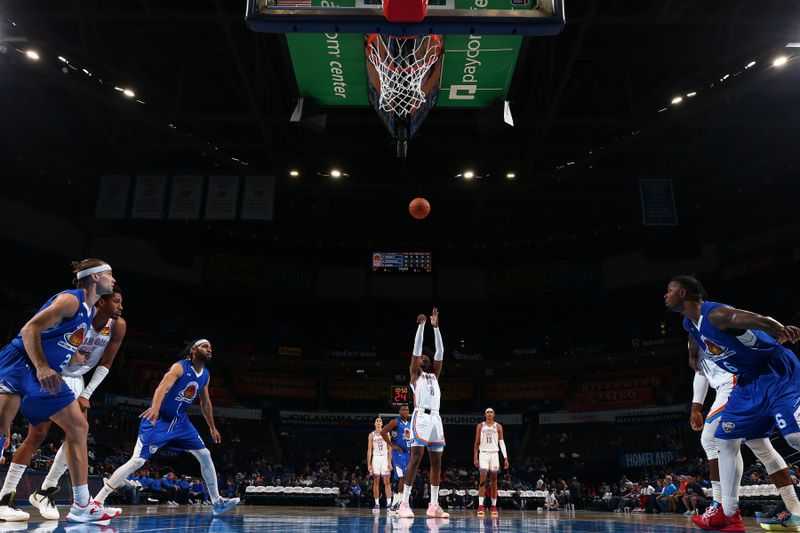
x: 400, y: 464
x: 17, y: 376
x: 175, y: 434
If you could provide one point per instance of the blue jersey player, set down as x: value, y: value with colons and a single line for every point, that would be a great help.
x: 30, y: 380
x: 166, y: 423
x: 766, y: 394
x: 400, y: 431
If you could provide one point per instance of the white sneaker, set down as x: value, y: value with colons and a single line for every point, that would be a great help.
x: 222, y: 505
x: 9, y: 511
x: 404, y: 511
x: 92, y: 512
x: 435, y: 511
x: 42, y: 499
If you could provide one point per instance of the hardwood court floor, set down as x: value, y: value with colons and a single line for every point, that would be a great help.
x: 269, y: 519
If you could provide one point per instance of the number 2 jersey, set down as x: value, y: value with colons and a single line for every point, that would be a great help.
x: 749, y: 355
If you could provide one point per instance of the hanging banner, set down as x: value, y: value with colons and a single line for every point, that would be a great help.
x: 258, y: 202
x: 635, y: 460
x: 148, y: 199
x: 658, y: 203
x: 112, y: 199
x: 187, y: 192
x: 223, y: 193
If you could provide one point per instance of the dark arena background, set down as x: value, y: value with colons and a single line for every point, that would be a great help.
x: 237, y: 204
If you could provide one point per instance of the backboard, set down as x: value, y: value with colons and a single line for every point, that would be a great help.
x: 446, y: 17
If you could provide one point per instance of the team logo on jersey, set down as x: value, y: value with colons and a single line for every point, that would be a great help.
x: 407, y: 435
x: 74, y: 339
x: 105, y: 331
x: 189, y: 392
x: 153, y: 448
x: 713, y: 349
x: 727, y: 427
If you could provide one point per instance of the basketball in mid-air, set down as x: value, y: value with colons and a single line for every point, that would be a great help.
x: 419, y: 208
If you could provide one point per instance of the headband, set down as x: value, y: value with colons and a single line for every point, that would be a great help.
x: 489, y: 409
x: 94, y: 270
x: 201, y: 341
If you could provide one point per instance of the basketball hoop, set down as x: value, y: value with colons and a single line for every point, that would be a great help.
x: 401, y: 64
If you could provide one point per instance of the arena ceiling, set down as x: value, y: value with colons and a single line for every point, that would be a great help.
x: 592, y: 107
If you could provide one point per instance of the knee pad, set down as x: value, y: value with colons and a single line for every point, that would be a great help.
x: 709, y: 442
x: 772, y: 461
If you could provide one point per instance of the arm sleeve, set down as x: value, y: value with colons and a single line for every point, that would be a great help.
x: 418, y: 340
x: 700, y: 387
x: 439, y: 355
x: 98, y: 376
x: 503, y: 449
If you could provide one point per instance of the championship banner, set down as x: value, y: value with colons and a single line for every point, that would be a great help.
x: 258, y: 201
x: 361, y: 420
x: 658, y: 203
x: 185, y: 199
x: 622, y: 416
x: 223, y: 193
x: 635, y: 460
x: 112, y: 199
x: 148, y: 199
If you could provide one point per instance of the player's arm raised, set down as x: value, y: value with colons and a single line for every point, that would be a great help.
x: 502, y: 445
x: 413, y: 370
x: 63, y: 306
x: 208, y: 413
x: 174, y: 374
x: 476, y: 447
x: 100, y: 373
x: 438, y: 357
x: 732, y: 318
x: 369, y: 453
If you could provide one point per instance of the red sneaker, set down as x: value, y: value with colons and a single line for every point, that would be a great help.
x: 493, y: 510
x: 480, y: 510
x: 717, y: 521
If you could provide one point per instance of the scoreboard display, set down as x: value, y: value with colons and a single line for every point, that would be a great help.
x: 400, y: 395
x: 414, y: 262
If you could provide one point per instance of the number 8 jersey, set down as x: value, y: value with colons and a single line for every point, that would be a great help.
x: 748, y: 354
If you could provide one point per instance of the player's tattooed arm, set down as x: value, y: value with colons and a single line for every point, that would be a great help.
x: 414, y: 369
x: 169, y: 379
x: 739, y: 319
x: 64, y: 306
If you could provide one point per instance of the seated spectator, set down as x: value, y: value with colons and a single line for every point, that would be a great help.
x: 667, y: 492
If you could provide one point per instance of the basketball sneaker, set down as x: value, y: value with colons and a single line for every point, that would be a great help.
x: 92, y: 512
x: 392, y: 511
x: 404, y: 511
x: 435, y: 511
x: 493, y: 510
x: 223, y: 506
x: 481, y: 510
x: 42, y: 499
x: 376, y: 509
x: 10, y: 511
x: 715, y: 520
x: 783, y: 522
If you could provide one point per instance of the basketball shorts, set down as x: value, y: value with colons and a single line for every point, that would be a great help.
x: 760, y: 403
x: 489, y: 462
x: 17, y: 376
x: 75, y: 384
x: 380, y: 465
x: 400, y: 464
x: 176, y: 434
x: 427, y: 430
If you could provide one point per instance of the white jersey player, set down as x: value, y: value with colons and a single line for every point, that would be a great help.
x: 488, y: 442
x: 99, y: 346
x: 379, y: 463
x: 426, y: 424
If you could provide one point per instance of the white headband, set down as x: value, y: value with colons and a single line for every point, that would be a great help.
x: 201, y: 341
x: 94, y: 270
x: 488, y: 409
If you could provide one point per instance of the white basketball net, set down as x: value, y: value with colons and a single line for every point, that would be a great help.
x: 401, y: 63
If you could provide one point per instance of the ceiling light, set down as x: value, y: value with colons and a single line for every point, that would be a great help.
x: 128, y: 93
x: 793, y: 45
x: 294, y: 173
x: 691, y: 94
x: 32, y: 54
x: 469, y: 174
x: 725, y: 77
x: 750, y: 64
x: 510, y: 175
x: 336, y: 173
x: 63, y: 59
x: 677, y: 100
x: 779, y: 61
